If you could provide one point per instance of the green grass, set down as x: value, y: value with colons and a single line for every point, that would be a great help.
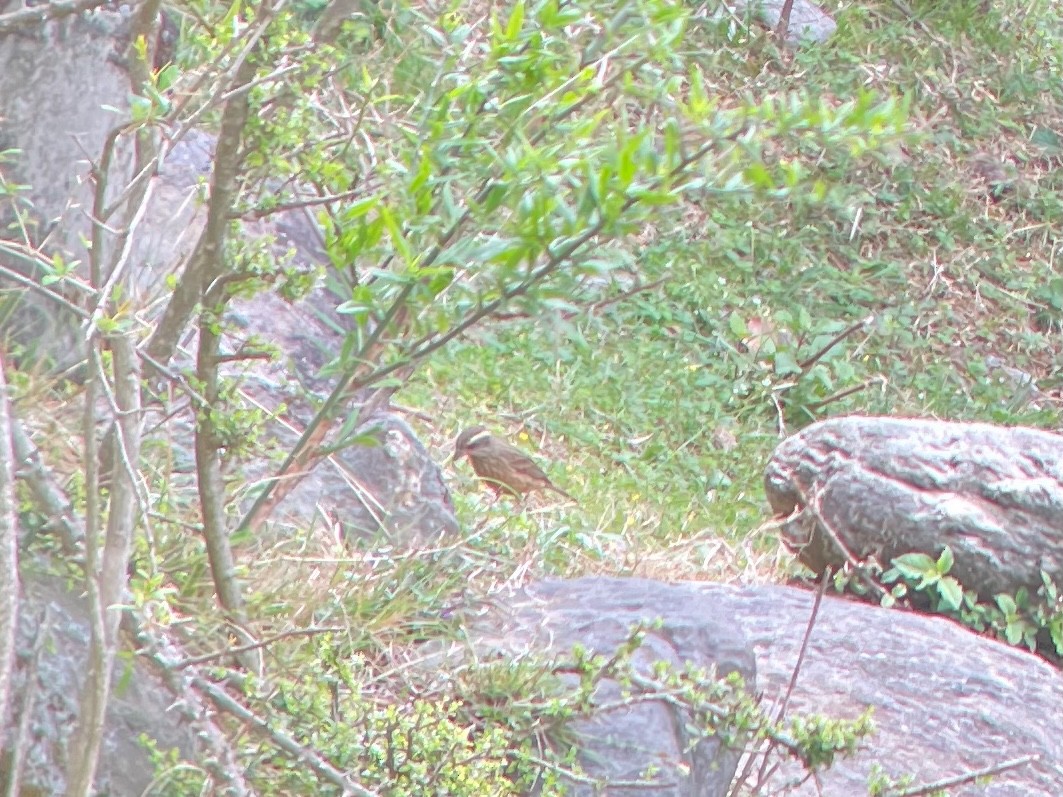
x: 659, y: 406
x: 627, y: 402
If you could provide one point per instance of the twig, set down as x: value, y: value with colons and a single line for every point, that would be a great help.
x: 597, y: 783
x: 45, y: 290
x: 218, y: 756
x: 817, y: 405
x: 763, y: 751
x: 813, y: 508
x: 304, y: 755
x: 784, y: 20
x: 967, y: 777
x: 779, y: 414
x: 906, y: 9
x: 824, y: 580
x: 9, y: 582
x: 21, y: 745
x: 806, y: 364
x: 302, y: 204
x: 50, y: 498
x: 623, y: 297
x: 55, y: 9
x: 232, y: 651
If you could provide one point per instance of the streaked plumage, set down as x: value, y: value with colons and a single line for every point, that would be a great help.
x: 501, y: 466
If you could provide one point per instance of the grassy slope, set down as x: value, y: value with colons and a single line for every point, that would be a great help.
x: 633, y: 404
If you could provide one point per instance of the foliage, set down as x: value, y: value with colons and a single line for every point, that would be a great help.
x: 499, y: 727
x: 644, y: 240
x: 1019, y: 619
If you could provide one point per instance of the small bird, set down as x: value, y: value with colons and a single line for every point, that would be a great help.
x: 502, y: 467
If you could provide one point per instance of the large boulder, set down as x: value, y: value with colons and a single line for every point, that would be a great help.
x: 622, y: 744
x: 946, y: 702
x: 884, y: 487
x: 53, y: 646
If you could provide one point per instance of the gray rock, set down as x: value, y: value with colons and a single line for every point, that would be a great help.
x: 51, y: 112
x: 597, y: 613
x: 888, y: 486
x: 139, y: 704
x: 808, y: 22
x: 391, y: 490
x: 946, y: 701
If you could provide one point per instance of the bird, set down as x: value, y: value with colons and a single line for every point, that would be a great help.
x: 501, y: 466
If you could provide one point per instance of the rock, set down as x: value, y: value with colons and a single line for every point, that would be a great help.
x: 139, y: 703
x: 391, y: 487
x: 50, y: 113
x: 388, y: 491
x: 598, y: 614
x: 887, y: 486
x: 808, y: 22
x: 946, y: 701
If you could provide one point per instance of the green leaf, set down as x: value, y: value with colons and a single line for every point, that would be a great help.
x: 1055, y: 628
x: 402, y: 246
x: 516, y: 21
x: 786, y: 364
x: 1013, y: 633
x: 951, y: 593
x: 914, y: 565
x: 945, y: 561
x: 1006, y: 603
x: 1049, y: 588
x: 360, y: 208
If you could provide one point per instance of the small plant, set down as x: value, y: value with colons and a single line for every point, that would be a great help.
x: 928, y: 576
x: 1020, y: 619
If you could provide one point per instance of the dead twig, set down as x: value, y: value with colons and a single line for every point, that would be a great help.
x: 784, y: 20
x: 813, y: 508
x: 967, y: 777
x: 807, y: 363
x: 21, y: 743
x: 304, y: 755
x: 38, y: 14
x: 263, y: 643
x: 9, y: 581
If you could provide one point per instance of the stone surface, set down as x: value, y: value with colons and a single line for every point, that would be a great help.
x: 946, y: 701
x: 139, y: 704
x: 808, y: 22
x: 888, y: 486
x: 50, y: 110
x: 598, y: 613
x: 390, y: 491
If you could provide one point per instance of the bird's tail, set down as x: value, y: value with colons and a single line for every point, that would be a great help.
x: 561, y: 492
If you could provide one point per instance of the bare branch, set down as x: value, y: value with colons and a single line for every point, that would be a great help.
x: 54, y: 9
x: 966, y: 777
x: 263, y: 643
x: 283, y: 741
x: 205, y: 263
x: 20, y: 745
x: 9, y: 580
x: 220, y: 758
x: 107, y: 588
x: 56, y: 507
x: 209, y: 478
